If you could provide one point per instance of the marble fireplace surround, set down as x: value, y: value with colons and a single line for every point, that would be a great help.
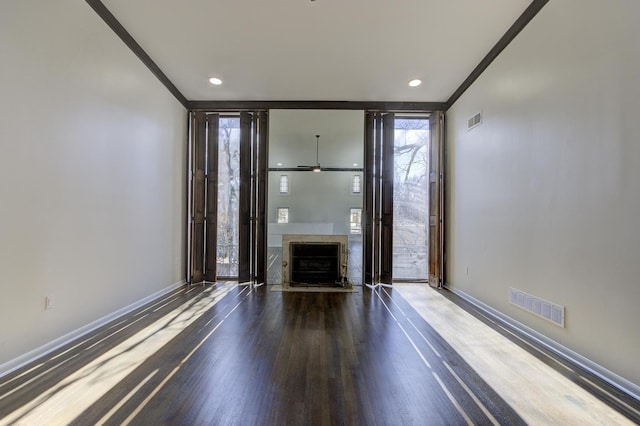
x: 288, y: 239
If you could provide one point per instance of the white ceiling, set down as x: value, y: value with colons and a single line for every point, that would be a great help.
x: 339, y: 50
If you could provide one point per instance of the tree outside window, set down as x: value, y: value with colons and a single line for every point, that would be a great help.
x: 410, y: 198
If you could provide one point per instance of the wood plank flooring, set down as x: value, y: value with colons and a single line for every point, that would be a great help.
x: 542, y: 387
x: 224, y: 354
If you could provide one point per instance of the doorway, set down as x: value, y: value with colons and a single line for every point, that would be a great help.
x: 306, y: 202
x: 227, y: 193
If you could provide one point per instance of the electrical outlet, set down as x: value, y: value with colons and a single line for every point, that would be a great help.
x: 48, y: 302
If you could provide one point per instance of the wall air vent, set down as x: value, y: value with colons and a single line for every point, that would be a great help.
x: 544, y: 309
x: 474, y: 121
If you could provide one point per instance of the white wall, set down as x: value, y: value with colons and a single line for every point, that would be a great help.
x: 544, y: 196
x: 292, y: 139
x: 92, y: 156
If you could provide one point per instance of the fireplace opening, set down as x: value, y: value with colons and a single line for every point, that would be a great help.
x: 315, y: 263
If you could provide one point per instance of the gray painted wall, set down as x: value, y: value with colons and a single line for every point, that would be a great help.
x: 92, y: 166
x: 315, y: 198
x: 544, y: 196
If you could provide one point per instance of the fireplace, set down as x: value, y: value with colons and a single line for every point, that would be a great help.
x: 315, y: 263
x: 314, y: 260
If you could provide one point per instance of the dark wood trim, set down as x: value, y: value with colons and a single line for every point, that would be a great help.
x: 377, y: 195
x: 263, y: 180
x: 191, y: 117
x: 124, y: 35
x: 443, y: 196
x: 524, y: 19
x: 367, y: 211
x: 345, y: 105
x: 329, y: 169
x: 436, y: 219
x: 211, y: 214
x: 386, y: 205
x: 244, y: 200
x: 254, y: 197
x: 198, y: 198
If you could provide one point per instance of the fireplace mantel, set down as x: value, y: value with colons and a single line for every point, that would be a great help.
x: 289, y: 239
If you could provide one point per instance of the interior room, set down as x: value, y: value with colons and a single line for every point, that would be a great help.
x: 318, y: 212
x: 314, y: 203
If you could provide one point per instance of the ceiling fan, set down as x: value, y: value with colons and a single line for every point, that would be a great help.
x: 317, y: 167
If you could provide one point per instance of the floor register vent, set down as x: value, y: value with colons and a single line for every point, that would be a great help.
x: 537, y: 306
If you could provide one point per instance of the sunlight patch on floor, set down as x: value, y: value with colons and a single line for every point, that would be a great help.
x: 537, y: 392
x: 63, y: 402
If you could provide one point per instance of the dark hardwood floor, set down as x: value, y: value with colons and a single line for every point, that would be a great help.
x: 259, y: 357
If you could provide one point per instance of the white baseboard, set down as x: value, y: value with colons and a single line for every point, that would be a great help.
x: 619, y: 382
x: 30, y: 356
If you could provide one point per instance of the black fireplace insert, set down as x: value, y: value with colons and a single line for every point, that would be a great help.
x: 315, y: 263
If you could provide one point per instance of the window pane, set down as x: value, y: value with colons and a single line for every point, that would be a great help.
x: 228, y: 187
x: 410, y: 198
x: 356, y: 184
x: 284, y: 184
x: 283, y: 215
x: 355, y: 221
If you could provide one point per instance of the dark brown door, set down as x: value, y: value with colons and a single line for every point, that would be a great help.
x: 386, y: 208
x: 436, y: 204
x: 211, y: 214
x: 198, y: 196
x: 378, y: 199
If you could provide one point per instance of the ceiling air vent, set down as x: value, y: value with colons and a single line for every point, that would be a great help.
x: 474, y: 121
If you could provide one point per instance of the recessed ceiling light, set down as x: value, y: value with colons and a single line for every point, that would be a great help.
x: 215, y: 81
x: 415, y: 83
x: 355, y: 164
x: 279, y: 164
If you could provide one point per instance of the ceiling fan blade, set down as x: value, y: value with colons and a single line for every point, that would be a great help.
x: 315, y: 168
x: 342, y: 169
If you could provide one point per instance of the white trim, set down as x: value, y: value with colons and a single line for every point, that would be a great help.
x: 30, y: 356
x: 610, y: 377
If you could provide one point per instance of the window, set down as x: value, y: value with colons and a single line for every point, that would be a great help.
x: 355, y: 184
x: 411, y: 198
x: 283, y: 215
x: 228, y: 188
x: 355, y: 221
x: 284, y: 184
